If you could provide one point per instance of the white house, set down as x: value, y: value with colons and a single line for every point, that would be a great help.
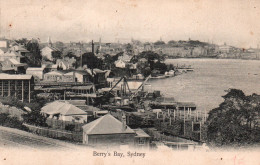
x: 36, y: 72
x: 120, y: 64
x: 47, y: 52
x: 64, y: 111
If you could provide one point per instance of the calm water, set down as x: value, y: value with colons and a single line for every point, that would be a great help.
x: 206, y: 84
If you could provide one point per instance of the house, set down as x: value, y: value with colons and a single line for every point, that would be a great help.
x: 126, y: 58
x: 99, y: 76
x: 14, y: 65
x: 66, y: 63
x: 108, y: 131
x: 49, y: 67
x: 55, y: 76
x: 3, y: 50
x: 11, y: 55
x: 36, y: 72
x: 225, y: 48
x: 142, y: 139
x: 18, y: 86
x: 120, y: 64
x: 4, y: 43
x: 47, y: 52
x: 82, y: 76
x: 19, y: 49
x: 64, y: 111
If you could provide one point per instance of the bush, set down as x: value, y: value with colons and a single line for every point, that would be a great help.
x: 70, y: 127
x: 35, y: 117
x: 12, y: 122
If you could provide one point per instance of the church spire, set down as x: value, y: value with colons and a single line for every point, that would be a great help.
x: 49, y: 41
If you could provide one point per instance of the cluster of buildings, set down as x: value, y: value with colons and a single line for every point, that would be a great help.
x: 101, y: 106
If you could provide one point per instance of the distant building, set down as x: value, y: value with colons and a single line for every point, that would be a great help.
x: 49, y: 67
x: 19, y: 86
x: 14, y: 65
x: 66, y: 63
x: 36, y: 72
x: 3, y: 50
x: 54, y: 76
x: 142, y: 139
x: 108, y: 131
x: 83, y: 76
x: 225, y: 48
x: 126, y: 58
x: 11, y: 55
x: 64, y: 111
x: 120, y: 64
x: 4, y: 43
x: 48, y: 50
x: 19, y: 49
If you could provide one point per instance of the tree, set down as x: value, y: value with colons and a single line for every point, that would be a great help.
x: 172, y: 42
x: 108, y: 61
x: 22, y: 41
x: 70, y: 54
x: 158, y: 43
x: 129, y: 48
x: 33, y: 58
x: 35, y: 117
x: 151, y: 57
x: 91, y: 60
x: 56, y: 55
x: 162, y: 67
x: 235, y: 121
x: 59, y: 45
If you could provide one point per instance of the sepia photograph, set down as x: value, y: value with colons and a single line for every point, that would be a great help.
x: 130, y: 82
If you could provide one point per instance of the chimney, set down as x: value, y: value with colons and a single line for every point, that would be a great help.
x: 124, y: 122
x: 93, y: 47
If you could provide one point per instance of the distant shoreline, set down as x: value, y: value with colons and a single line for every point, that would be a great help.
x: 212, y: 58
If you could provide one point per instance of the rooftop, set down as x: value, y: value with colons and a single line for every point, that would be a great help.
x: 140, y: 133
x: 106, y: 125
x: 64, y: 108
x: 4, y: 76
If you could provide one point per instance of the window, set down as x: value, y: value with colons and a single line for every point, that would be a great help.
x: 141, y: 141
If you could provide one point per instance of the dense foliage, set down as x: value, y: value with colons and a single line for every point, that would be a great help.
x: 13, y: 122
x: 33, y: 58
x: 236, y: 121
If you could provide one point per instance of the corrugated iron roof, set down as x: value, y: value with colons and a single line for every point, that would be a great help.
x: 63, y: 108
x: 140, y: 133
x: 4, y: 76
x: 106, y: 125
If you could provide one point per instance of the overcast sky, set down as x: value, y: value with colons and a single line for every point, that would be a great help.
x: 236, y: 22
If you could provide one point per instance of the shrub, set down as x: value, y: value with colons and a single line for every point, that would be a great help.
x: 12, y: 122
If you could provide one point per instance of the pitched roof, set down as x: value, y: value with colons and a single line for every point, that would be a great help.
x: 140, y: 133
x: 34, y: 69
x: 125, y: 57
x: 14, y: 61
x: 19, y: 48
x: 106, y: 125
x: 4, y: 76
x: 12, y: 54
x: 4, y: 49
x: 64, y: 108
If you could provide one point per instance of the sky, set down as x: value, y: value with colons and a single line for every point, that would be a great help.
x: 235, y: 22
